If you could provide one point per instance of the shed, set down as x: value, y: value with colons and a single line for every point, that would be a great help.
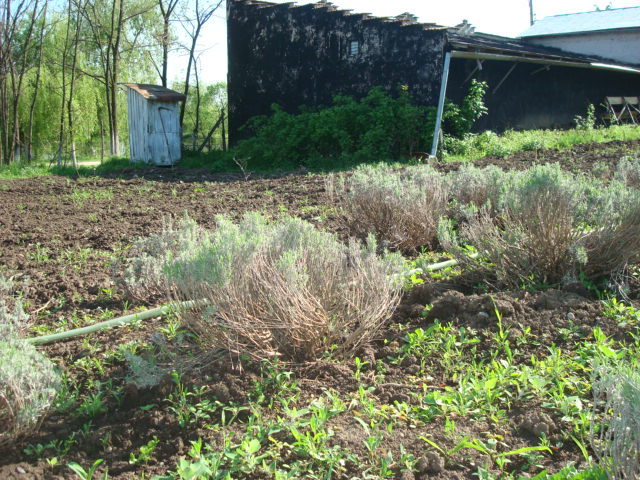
x: 154, y: 126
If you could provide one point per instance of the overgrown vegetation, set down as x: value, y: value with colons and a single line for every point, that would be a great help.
x: 349, y: 131
x: 458, y: 119
x: 474, y: 146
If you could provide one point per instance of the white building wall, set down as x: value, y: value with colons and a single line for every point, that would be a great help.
x: 618, y: 46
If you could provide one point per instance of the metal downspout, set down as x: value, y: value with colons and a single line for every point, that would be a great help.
x: 443, y: 91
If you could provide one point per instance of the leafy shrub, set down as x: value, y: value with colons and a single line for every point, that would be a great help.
x: 401, y: 207
x: 550, y: 226
x: 588, y: 122
x: 349, y: 131
x: 28, y: 381
x: 281, y: 289
x: 616, y: 390
x: 458, y: 119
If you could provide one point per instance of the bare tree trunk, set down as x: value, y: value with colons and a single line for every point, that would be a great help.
x: 36, y: 84
x: 17, y: 79
x: 101, y: 121
x: 166, y: 10
x: 65, y: 52
x: 202, y: 17
x: 224, y: 131
x: 72, y: 82
x: 194, y: 41
x: 196, y: 123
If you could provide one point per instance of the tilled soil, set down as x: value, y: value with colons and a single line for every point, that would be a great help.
x: 59, y: 238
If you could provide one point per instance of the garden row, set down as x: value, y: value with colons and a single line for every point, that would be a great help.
x: 286, y: 293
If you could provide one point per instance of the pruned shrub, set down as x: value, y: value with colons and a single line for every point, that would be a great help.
x: 401, y: 207
x: 470, y: 185
x: 551, y: 226
x: 628, y: 171
x: 616, y: 390
x: 28, y: 381
x: 282, y: 289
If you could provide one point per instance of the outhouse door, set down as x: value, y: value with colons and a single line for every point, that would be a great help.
x: 164, y: 133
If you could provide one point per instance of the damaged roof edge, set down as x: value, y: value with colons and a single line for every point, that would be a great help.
x: 156, y: 93
x: 541, y: 60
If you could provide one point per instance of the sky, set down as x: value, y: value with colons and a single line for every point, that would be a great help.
x: 499, y: 17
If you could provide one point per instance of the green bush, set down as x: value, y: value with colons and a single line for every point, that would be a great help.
x: 350, y: 131
x: 401, y: 207
x: 282, y: 289
x: 28, y: 381
x: 457, y: 120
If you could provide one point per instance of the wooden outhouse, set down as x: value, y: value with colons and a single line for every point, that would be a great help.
x: 154, y: 124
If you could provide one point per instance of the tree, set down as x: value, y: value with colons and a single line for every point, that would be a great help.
x: 17, y: 21
x: 167, y: 8
x: 115, y: 27
x: 192, y: 24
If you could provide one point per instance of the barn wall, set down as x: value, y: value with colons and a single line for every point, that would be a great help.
x: 296, y: 56
x: 546, y: 99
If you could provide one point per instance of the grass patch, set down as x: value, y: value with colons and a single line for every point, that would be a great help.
x: 475, y: 146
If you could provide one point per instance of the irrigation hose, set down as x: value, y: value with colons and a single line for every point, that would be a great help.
x: 449, y: 263
x: 162, y: 311
x: 116, y: 322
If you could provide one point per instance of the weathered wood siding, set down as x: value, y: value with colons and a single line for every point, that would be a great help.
x: 164, y: 133
x: 154, y: 131
x: 137, y: 127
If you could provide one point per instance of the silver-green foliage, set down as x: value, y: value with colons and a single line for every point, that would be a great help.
x: 142, y: 276
x: 401, y: 207
x: 28, y: 380
x: 628, y: 171
x: 549, y: 225
x: 281, y: 288
x: 616, y: 390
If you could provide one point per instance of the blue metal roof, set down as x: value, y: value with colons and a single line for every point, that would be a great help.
x: 616, y: 18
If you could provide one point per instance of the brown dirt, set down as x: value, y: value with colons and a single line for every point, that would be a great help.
x: 59, y: 236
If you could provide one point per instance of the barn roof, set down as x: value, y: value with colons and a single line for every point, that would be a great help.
x: 603, y: 20
x: 156, y: 93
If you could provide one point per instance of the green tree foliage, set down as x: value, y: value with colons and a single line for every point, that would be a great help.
x: 72, y: 56
x: 213, y: 102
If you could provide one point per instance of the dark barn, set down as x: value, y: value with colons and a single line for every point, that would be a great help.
x: 294, y: 55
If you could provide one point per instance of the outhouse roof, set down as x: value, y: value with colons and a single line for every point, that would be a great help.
x: 156, y: 93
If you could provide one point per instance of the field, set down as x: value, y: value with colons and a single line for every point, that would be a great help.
x: 466, y: 380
